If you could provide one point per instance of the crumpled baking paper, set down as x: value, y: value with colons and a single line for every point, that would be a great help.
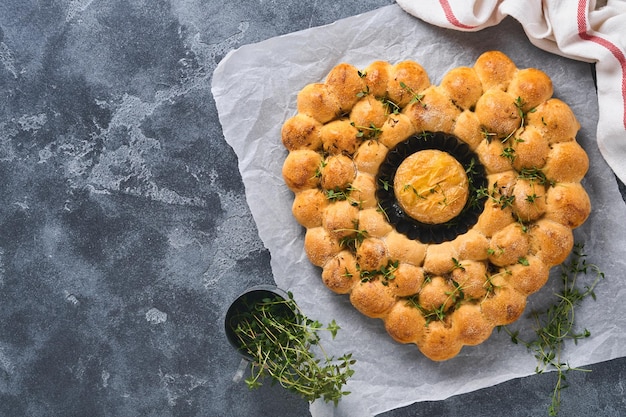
x: 255, y: 90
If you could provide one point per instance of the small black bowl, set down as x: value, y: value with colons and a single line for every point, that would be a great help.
x: 242, y: 304
x: 410, y: 227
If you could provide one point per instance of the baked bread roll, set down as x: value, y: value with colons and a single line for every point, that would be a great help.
x: 436, y: 208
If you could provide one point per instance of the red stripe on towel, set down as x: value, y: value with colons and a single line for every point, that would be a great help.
x: 447, y: 10
x: 616, y: 51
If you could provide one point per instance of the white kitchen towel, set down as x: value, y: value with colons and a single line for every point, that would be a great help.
x: 584, y: 30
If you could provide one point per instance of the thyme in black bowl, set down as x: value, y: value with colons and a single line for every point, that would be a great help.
x: 285, y: 346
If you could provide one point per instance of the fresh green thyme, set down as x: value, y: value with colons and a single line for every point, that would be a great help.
x: 281, y: 345
x: 457, y: 264
x: 415, y: 97
x: 337, y: 194
x: 488, y: 136
x: 497, y: 197
x: 456, y: 297
x: 390, y: 106
x: 535, y: 175
x: 555, y: 325
x: 385, y: 184
x: 509, y: 153
x: 409, y: 187
x: 320, y: 168
x: 386, y: 273
x: 363, y: 92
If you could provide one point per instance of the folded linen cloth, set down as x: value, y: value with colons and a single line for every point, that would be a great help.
x: 584, y: 30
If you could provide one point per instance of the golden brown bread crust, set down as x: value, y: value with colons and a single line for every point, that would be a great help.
x: 438, y: 296
x: 498, y: 113
x: 341, y: 272
x: 308, y: 207
x: 301, y: 132
x: 406, y: 79
x: 405, y: 324
x: 337, y: 172
x: 495, y: 70
x: 463, y: 87
x: 317, y: 101
x: 567, y: 162
x: 300, y: 169
x: 372, y: 298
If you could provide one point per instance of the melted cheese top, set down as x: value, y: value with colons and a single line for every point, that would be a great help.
x: 431, y: 186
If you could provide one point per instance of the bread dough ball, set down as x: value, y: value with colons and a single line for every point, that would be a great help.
x: 555, y: 120
x: 468, y: 129
x: 320, y: 246
x: 441, y: 341
x: 531, y: 150
x: 407, y: 80
x: 372, y: 298
x: 301, y: 169
x: 308, y: 207
x: 432, y: 112
x: 463, y: 87
x: 498, y: 113
x: 341, y: 272
x: 495, y: 70
x: 405, y: 324
x: 566, y: 162
x: 508, y: 245
x: 531, y: 87
x: 317, y: 101
x: 396, y: 129
x: 301, y: 132
x: 470, y: 276
x: 339, y: 137
x: 472, y: 326
x: 368, y: 114
x: 408, y: 280
x: 338, y: 172
x: 376, y: 78
x: 569, y: 204
x: 345, y: 83
x: 369, y: 156
x: 341, y: 219
x: 404, y: 249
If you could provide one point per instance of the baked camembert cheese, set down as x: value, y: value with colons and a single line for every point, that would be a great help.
x: 436, y: 208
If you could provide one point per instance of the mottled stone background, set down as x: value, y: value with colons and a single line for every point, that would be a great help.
x: 124, y: 231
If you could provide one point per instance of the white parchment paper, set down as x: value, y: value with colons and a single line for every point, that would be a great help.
x: 255, y: 91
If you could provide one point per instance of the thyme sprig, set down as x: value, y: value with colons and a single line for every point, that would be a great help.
x: 415, y: 97
x: 519, y: 105
x: 555, y: 325
x: 455, y: 297
x: 535, y: 175
x: 386, y: 273
x: 367, y: 132
x: 390, y: 106
x: 338, y: 194
x: 355, y: 238
x: 279, y: 338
